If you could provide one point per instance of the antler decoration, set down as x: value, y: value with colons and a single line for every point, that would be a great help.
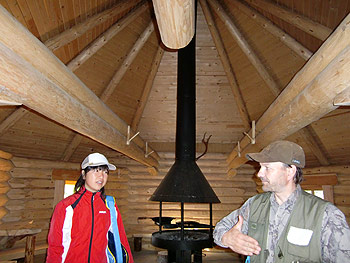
x: 206, y: 146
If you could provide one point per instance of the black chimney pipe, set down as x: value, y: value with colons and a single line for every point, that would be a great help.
x: 185, y: 182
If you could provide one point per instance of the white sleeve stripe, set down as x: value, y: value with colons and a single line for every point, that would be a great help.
x: 66, y: 231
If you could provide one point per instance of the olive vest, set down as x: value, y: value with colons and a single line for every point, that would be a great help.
x: 307, y: 214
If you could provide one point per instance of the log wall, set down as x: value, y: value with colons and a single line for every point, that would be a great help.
x: 27, y: 193
x: 341, y: 194
x: 30, y: 196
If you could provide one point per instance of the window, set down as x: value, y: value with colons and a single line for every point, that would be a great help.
x: 318, y: 193
x: 68, y: 188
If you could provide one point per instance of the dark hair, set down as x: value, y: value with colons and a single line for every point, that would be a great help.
x: 81, y: 181
x: 298, y: 176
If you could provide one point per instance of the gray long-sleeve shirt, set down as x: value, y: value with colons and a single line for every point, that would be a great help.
x: 335, y: 232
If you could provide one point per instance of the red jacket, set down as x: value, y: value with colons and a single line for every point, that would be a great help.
x: 79, y: 227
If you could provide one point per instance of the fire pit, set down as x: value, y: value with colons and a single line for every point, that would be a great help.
x: 185, y: 182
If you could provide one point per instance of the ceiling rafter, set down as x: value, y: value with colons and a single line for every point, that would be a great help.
x: 305, y: 132
x: 78, y: 30
x: 312, y: 104
x: 147, y: 89
x: 308, y: 78
x: 12, y: 119
x: 227, y: 65
x: 42, y: 59
x: 309, y: 138
x: 266, y: 24
x: 113, y: 83
x: 98, y: 43
x: 245, y: 47
x: 80, y: 59
x: 305, y: 24
x: 39, y: 93
x: 108, y: 91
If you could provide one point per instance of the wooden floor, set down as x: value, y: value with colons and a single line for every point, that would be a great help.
x: 150, y: 256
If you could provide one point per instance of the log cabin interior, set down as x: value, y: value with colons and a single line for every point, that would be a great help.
x: 86, y: 76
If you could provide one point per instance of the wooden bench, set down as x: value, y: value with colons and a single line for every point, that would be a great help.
x: 15, y: 253
x: 10, y: 236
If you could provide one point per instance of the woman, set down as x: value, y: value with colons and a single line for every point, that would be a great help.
x: 87, y: 226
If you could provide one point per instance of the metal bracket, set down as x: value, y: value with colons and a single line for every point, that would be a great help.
x: 252, y: 139
x: 128, y: 139
x: 148, y: 153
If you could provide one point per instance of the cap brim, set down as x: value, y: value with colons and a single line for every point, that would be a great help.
x: 259, y: 157
x: 110, y: 166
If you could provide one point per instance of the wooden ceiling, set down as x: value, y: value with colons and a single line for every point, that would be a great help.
x: 108, y: 53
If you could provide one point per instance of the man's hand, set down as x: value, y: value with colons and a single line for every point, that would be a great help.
x: 240, y: 243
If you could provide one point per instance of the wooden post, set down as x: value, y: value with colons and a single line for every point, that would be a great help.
x: 175, y: 21
x: 30, y: 248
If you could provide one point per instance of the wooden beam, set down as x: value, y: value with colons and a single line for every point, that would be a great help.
x: 320, y: 179
x: 305, y: 24
x: 114, y: 82
x: 338, y: 169
x: 227, y: 65
x: 108, y: 91
x: 343, y: 99
x: 72, y: 146
x: 316, y: 64
x: 98, y: 43
x: 69, y: 35
x: 307, y: 134
x: 147, y: 89
x: 266, y: 24
x: 12, y: 119
x: 42, y: 95
x: 310, y: 105
x: 78, y: 30
x: 4, y: 102
x: 14, y: 36
x: 246, y: 48
x: 176, y: 21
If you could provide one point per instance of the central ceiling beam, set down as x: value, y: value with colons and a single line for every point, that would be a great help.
x: 176, y: 21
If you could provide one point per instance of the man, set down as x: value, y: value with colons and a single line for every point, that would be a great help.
x: 285, y: 224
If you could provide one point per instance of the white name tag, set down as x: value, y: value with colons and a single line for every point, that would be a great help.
x: 299, y: 236
x: 103, y: 212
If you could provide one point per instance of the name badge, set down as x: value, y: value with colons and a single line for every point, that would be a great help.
x: 299, y: 236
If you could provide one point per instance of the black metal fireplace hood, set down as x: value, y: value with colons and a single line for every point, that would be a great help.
x: 185, y: 182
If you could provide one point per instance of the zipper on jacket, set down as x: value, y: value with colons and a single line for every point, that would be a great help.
x: 92, y: 225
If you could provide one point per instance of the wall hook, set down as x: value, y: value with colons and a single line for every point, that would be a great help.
x: 239, y: 149
x: 128, y: 139
x: 147, y: 153
x: 252, y: 139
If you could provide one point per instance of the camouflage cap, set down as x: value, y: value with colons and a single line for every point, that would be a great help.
x: 280, y: 151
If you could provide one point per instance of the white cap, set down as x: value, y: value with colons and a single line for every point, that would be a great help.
x: 96, y: 159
